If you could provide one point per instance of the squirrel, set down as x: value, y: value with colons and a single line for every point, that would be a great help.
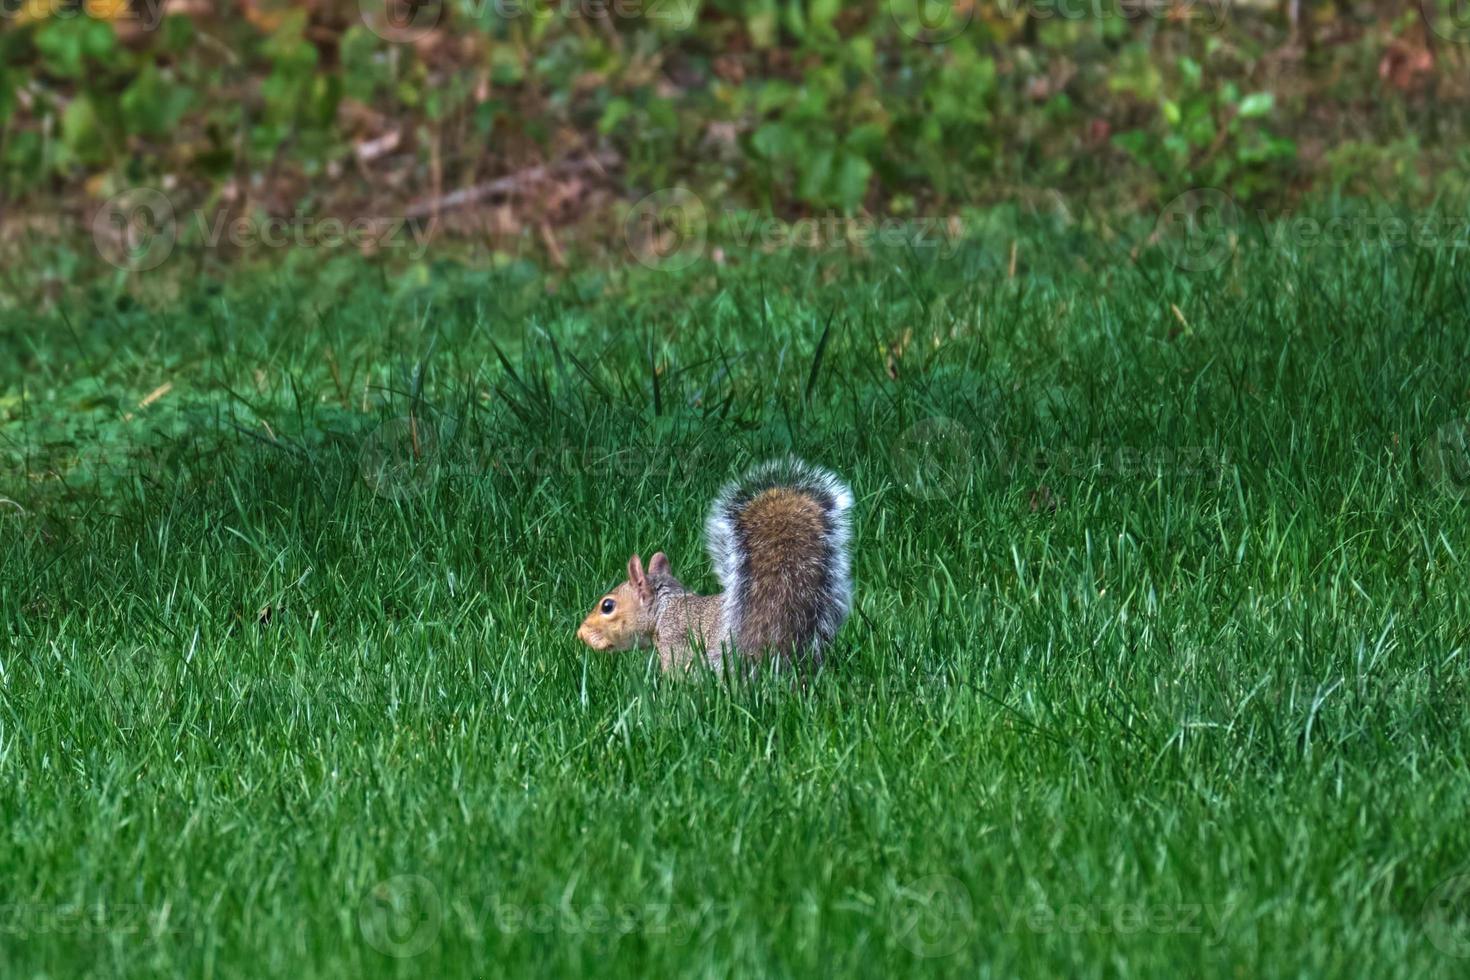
x: 778, y: 539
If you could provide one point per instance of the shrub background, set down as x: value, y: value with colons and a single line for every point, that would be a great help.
x: 504, y: 117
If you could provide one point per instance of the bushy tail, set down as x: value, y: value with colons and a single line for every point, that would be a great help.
x: 778, y: 537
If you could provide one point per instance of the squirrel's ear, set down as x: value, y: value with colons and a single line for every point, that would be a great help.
x: 640, y: 581
x: 659, y: 564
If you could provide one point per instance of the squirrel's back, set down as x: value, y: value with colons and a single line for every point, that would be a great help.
x: 778, y: 537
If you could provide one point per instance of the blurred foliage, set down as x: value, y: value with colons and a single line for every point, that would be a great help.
x: 898, y: 106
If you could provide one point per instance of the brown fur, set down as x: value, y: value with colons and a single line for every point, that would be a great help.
x: 778, y: 538
x: 624, y: 628
x: 686, y: 623
x: 779, y: 526
x: 653, y: 608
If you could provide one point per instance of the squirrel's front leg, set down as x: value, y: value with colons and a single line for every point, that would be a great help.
x: 675, y: 655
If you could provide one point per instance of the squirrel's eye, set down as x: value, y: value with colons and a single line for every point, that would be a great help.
x: 608, y: 606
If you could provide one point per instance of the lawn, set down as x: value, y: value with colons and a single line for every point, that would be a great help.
x: 1158, y: 663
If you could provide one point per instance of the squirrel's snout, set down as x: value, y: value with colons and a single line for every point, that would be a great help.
x: 590, y: 637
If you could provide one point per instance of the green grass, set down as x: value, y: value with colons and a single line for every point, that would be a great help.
x: 1158, y: 665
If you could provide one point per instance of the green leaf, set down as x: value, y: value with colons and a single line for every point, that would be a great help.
x: 153, y: 106
x: 81, y: 130
x: 326, y: 95
x: 364, y: 71
x: 505, y: 65
x: 866, y: 140
x: 853, y: 174
x: 761, y: 23
x: 616, y: 111
x: 823, y: 12
x: 776, y: 141
x: 485, y: 115
x: 863, y: 52
x: 774, y: 95
x: 7, y: 95
x: 1256, y: 104
x: 795, y: 20
x: 178, y: 33
x: 1200, y: 131
x: 60, y: 46
x: 816, y: 173
x: 99, y: 41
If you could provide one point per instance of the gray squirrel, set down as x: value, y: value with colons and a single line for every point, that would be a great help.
x: 779, y: 541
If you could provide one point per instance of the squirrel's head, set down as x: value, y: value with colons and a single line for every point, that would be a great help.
x: 625, y: 617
